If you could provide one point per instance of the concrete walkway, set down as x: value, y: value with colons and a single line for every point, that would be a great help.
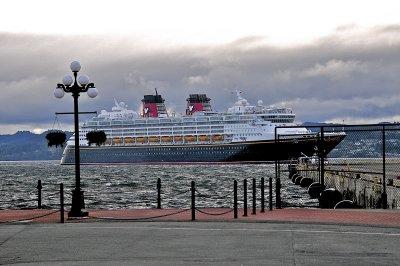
x: 196, y: 243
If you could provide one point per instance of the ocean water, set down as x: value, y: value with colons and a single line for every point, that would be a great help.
x: 134, y: 186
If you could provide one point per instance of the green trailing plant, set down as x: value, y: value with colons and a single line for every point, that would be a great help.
x: 56, y: 138
x: 96, y: 137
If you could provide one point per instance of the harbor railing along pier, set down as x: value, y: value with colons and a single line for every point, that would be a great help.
x: 191, y: 197
x: 363, y: 171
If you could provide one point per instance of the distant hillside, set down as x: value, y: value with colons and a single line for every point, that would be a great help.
x: 318, y: 124
x: 25, y: 145
x: 365, y: 143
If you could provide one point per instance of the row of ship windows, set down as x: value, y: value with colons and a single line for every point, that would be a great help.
x: 170, y: 128
x: 197, y: 148
x: 166, y: 132
x: 150, y: 122
x: 176, y: 121
x: 152, y: 153
x: 126, y: 133
x: 248, y: 134
x: 282, y: 120
x: 166, y: 124
x: 244, y: 129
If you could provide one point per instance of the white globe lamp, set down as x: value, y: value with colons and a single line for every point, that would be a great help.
x: 75, y: 66
x: 92, y: 92
x: 67, y: 80
x: 83, y: 80
x: 59, y: 93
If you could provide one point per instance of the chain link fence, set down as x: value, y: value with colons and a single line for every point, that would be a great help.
x: 357, y: 166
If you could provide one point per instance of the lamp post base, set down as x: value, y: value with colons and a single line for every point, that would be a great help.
x: 78, y: 204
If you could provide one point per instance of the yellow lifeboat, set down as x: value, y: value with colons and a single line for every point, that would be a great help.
x: 141, y: 139
x: 178, y: 138
x: 129, y: 140
x: 204, y: 138
x: 190, y: 138
x: 117, y: 140
x: 166, y: 138
x: 217, y: 138
x: 154, y: 139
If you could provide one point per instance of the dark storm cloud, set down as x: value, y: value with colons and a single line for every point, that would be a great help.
x: 350, y: 74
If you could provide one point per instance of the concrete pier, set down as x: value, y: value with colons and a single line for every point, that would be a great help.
x: 360, y: 181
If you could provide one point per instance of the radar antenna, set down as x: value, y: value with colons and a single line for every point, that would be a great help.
x: 239, y: 94
x: 116, y: 103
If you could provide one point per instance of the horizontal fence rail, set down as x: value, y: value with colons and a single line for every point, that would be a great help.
x: 362, y: 168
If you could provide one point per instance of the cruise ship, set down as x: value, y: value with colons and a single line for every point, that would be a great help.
x: 243, y: 133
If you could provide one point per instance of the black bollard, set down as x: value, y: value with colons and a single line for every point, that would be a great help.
x: 193, y: 201
x: 62, y: 203
x: 262, y: 195
x: 235, y: 208
x: 39, y: 188
x: 158, y: 193
x: 254, y: 197
x: 245, y: 197
x: 270, y: 193
x: 278, y: 193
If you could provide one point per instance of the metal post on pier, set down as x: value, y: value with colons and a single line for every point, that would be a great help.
x: 245, y: 197
x: 262, y: 195
x: 384, y: 194
x: 322, y: 157
x: 192, y: 188
x: 235, y: 207
x: 62, y: 203
x: 254, y: 197
x: 158, y: 193
x: 277, y: 178
x: 39, y: 194
x: 278, y: 201
x: 270, y: 193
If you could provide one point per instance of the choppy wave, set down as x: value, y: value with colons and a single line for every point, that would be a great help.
x: 134, y: 186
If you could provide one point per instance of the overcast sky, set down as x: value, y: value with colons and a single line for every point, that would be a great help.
x: 329, y: 62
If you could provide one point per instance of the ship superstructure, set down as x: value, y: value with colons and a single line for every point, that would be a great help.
x: 243, y: 133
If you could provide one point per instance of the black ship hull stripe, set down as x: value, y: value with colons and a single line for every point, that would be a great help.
x: 260, y: 151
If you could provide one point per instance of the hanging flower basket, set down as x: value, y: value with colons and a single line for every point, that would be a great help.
x: 96, y: 137
x: 56, y: 138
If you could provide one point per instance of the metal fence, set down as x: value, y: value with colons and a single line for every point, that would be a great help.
x: 356, y: 164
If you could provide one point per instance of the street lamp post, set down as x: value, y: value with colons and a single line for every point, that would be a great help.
x: 76, y: 85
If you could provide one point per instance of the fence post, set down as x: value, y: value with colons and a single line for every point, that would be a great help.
x: 235, y: 209
x: 158, y: 193
x: 62, y: 203
x: 262, y: 195
x: 384, y: 195
x: 245, y: 197
x: 39, y: 195
x: 193, y: 201
x: 322, y: 156
x: 254, y: 197
x: 270, y: 193
x: 278, y: 193
x: 277, y: 179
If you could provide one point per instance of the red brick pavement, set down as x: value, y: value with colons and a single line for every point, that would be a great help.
x: 357, y: 217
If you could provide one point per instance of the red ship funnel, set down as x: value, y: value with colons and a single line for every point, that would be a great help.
x: 198, y: 103
x: 153, y: 106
